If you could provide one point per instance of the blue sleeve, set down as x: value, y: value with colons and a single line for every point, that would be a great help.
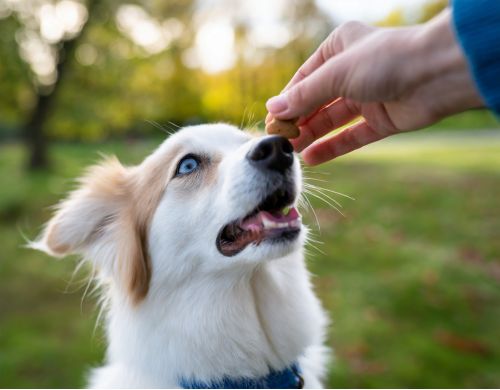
x: 477, y: 25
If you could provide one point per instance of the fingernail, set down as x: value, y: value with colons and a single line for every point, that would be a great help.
x: 277, y: 104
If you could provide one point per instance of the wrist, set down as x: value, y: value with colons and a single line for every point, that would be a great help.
x: 440, y: 62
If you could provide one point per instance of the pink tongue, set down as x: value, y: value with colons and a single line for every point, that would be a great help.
x: 255, y: 222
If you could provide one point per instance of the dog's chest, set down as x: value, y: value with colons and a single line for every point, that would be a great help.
x: 288, y: 310
x: 211, y: 330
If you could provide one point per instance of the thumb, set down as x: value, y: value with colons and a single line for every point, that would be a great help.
x: 318, y: 89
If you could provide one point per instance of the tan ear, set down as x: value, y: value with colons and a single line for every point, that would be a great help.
x: 87, y: 213
x: 97, y: 221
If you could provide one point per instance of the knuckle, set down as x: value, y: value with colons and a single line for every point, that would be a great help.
x: 328, y: 121
x: 353, y: 138
x: 330, y: 45
x: 352, y: 106
x: 347, y: 28
x: 326, y: 50
x: 335, y: 40
x: 351, y: 25
x: 346, y: 33
x: 301, y: 74
x: 333, y: 149
x: 343, y: 76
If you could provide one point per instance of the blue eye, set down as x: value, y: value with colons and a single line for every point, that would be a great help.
x: 187, y: 165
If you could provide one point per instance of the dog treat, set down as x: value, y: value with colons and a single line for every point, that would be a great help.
x: 285, y: 128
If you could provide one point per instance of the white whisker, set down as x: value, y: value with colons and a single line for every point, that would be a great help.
x: 321, y: 192
x: 309, y: 245
x: 323, y: 200
x: 174, y: 124
x: 326, y: 189
x: 160, y: 127
x: 306, y: 199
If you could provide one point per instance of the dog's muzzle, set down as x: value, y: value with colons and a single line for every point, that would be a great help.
x: 273, y: 153
x: 274, y: 217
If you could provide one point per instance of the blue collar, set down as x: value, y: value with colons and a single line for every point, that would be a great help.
x: 288, y: 378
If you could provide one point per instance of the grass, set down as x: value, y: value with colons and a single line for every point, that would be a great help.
x: 473, y: 119
x: 410, y: 275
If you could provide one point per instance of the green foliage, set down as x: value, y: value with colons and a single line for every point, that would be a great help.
x: 431, y: 9
x: 16, y: 98
x: 410, y: 275
x: 398, y: 16
x: 125, y: 85
x: 394, y: 18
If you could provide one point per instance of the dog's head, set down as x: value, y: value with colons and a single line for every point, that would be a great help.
x: 210, y: 199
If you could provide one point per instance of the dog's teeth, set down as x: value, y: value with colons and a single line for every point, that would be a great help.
x: 268, y: 224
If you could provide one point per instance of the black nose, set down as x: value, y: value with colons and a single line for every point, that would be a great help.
x: 274, y: 153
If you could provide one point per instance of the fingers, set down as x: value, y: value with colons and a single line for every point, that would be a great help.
x: 319, y: 88
x: 345, y: 34
x: 331, y: 117
x: 302, y: 96
x: 350, y: 139
x: 317, y: 59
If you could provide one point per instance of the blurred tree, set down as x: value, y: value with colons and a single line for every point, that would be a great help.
x: 398, y: 16
x: 46, y: 95
x: 431, y: 9
x: 140, y: 60
x: 395, y: 18
x: 14, y: 73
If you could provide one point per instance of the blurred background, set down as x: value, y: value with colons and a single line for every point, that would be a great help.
x: 410, y: 272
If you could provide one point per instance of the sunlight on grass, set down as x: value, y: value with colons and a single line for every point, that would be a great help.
x: 459, y: 151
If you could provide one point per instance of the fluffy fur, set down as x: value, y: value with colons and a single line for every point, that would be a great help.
x: 176, y: 306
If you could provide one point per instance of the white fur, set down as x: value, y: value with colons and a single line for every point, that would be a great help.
x: 206, y: 315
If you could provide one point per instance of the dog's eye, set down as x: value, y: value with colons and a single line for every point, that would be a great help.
x: 187, y: 165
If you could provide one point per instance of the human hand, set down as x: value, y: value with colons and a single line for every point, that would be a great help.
x: 395, y: 79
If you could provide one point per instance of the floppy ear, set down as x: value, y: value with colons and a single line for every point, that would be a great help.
x: 84, y: 217
x: 97, y: 221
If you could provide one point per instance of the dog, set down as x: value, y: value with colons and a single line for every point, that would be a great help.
x: 199, y: 254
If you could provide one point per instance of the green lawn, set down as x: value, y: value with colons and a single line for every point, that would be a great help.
x: 410, y: 274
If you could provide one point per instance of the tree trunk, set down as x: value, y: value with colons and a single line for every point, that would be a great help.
x: 36, y: 138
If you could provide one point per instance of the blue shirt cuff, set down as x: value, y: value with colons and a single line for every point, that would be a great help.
x: 477, y: 26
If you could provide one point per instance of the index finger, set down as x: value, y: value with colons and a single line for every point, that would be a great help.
x: 329, y: 118
x: 352, y: 138
x: 317, y: 59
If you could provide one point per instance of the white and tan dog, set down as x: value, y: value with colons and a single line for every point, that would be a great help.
x: 199, y: 250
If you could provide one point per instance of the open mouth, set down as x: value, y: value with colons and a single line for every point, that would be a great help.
x: 273, y: 219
